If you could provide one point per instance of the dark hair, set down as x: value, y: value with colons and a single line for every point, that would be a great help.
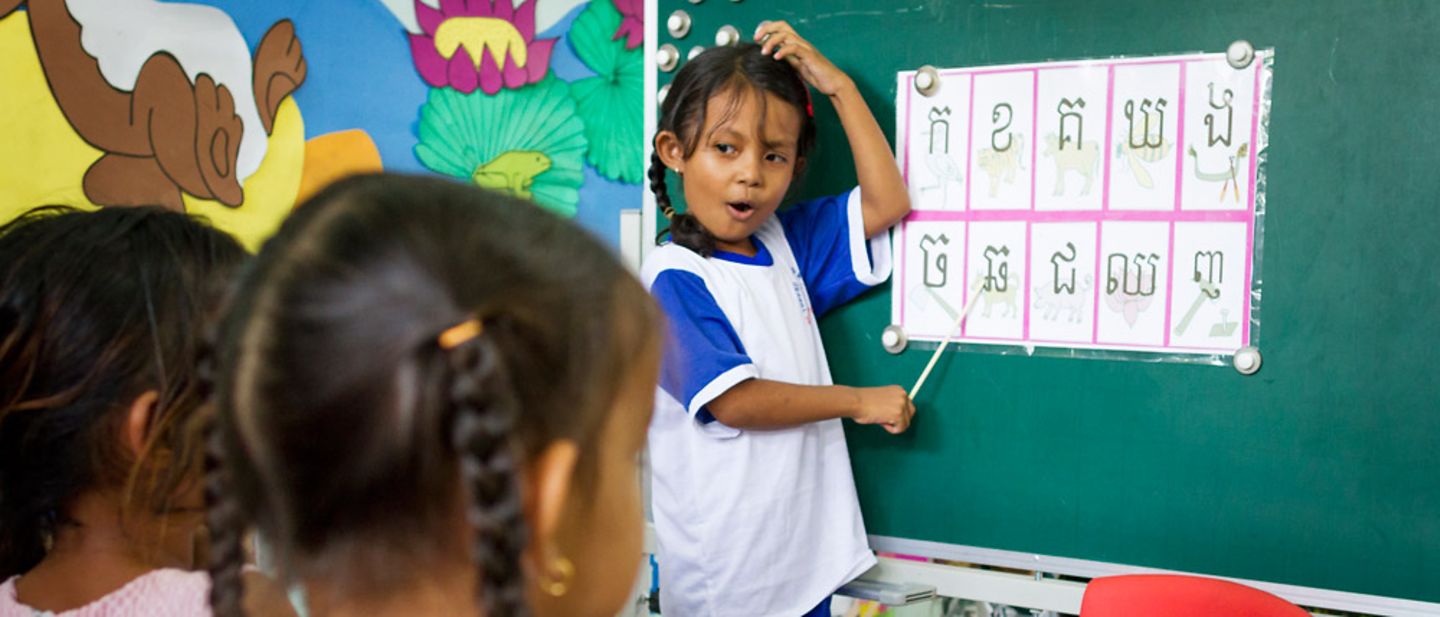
x: 718, y: 71
x: 97, y: 308
x: 344, y: 426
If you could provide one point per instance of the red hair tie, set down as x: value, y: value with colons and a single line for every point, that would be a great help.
x: 809, y: 106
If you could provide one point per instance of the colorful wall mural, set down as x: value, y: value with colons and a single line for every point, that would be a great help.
x: 238, y: 109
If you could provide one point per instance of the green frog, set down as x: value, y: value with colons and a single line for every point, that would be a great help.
x: 513, y: 172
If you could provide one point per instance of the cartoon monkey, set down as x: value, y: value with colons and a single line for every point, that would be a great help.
x: 165, y: 128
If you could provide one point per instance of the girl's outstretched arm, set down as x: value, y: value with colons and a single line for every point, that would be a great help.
x: 760, y: 404
x: 884, y: 200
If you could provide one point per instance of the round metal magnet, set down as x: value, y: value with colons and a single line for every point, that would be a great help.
x: 661, y: 94
x: 893, y: 338
x: 727, y: 35
x: 927, y: 80
x: 678, y: 24
x: 1246, y: 360
x: 694, y: 51
x: 1240, y: 54
x: 667, y: 57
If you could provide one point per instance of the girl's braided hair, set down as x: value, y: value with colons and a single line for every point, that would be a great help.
x: 345, y: 424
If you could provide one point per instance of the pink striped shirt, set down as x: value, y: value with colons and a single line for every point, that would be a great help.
x: 160, y: 593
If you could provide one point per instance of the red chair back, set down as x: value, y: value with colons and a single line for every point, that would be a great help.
x: 1173, y: 595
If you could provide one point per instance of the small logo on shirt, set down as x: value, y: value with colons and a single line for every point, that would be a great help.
x: 803, y: 299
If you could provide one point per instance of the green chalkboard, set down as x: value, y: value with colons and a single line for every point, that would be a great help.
x: 1323, y: 470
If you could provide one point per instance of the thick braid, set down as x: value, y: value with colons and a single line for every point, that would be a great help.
x: 685, y: 230
x: 484, y: 405
x: 657, y: 186
x: 224, y: 516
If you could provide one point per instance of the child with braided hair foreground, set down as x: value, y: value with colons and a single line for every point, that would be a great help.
x: 101, y: 316
x: 431, y: 400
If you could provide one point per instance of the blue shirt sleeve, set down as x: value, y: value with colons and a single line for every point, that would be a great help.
x: 703, y: 355
x: 822, y: 237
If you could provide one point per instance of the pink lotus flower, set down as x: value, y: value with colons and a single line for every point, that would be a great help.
x: 1128, y: 305
x: 632, y: 26
x: 479, y: 43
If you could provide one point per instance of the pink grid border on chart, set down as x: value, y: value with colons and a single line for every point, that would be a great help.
x: 904, y: 141
x: 1034, y: 175
x: 1032, y: 216
x: 965, y: 278
x: 1179, y: 183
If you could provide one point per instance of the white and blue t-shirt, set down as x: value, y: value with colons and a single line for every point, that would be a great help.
x: 756, y: 523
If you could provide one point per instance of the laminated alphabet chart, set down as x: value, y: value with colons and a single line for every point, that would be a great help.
x: 1097, y: 206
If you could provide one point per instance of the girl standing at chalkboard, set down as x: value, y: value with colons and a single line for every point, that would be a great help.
x: 754, y: 502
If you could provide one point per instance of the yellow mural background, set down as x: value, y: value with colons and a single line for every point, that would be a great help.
x: 43, y: 161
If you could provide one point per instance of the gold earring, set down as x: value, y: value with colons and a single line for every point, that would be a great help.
x: 556, y: 582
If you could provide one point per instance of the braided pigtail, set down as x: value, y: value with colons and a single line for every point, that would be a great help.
x: 484, y: 407
x: 223, y: 516
x: 685, y: 230
x: 657, y: 186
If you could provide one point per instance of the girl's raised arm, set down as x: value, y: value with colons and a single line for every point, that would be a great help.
x: 884, y: 200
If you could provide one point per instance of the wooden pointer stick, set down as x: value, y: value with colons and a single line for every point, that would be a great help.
x: 936, y: 356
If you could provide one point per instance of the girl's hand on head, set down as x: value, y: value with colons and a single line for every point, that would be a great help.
x: 778, y: 39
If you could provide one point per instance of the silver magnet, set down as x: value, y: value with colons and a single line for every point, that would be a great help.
x: 927, y: 80
x: 696, y: 1
x: 726, y: 36
x: 893, y: 338
x: 1247, y: 360
x: 660, y: 96
x: 1240, y: 54
x: 678, y: 24
x: 694, y: 51
x: 667, y: 57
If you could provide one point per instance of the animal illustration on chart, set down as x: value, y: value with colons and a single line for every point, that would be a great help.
x: 1070, y: 302
x: 1006, y: 154
x: 1002, y: 296
x: 999, y: 288
x: 1141, y: 160
x: 1068, y: 147
x: 1083, y: 159
x: 1143, y: 145
x: 945, y: 172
